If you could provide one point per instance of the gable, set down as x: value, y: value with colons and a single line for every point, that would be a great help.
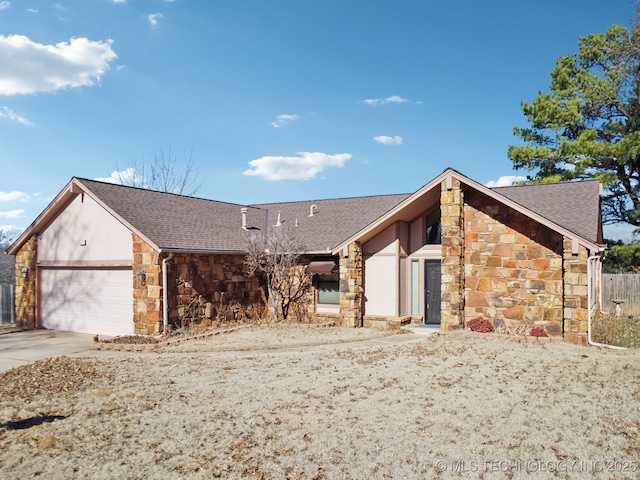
x: 556, y: 206
x: 84, y: 231
x: 574, y: 205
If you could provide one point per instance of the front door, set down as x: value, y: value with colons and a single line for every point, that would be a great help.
x: 432, y: 289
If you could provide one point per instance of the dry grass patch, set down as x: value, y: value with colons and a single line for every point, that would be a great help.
x: 411, y: 410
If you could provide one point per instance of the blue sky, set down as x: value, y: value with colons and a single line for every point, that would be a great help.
x: 275, y: 100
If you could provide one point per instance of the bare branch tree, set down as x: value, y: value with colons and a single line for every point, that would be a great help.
x: 277, y: 256
x: 164, y: 173
x: 7, y: 236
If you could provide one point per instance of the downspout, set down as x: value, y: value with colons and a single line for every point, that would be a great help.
x: 590, y: 262
x: 165, y: 293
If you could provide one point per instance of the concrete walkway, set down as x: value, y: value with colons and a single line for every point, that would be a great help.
x: 22, y: 348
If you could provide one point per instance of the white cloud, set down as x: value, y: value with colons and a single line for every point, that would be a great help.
x: 6, y: 112
x: 128, y: 176
x: 32, y: 10
x: 4, y: 5
x: 282, y: 120
x: 13, y: 196
x: 374, y: 102
x: 153, y: 18
x: 12, y: 214
x: 505, y: 181
x: 119, y: 1
x: 303, y: 167
x: 30, y: 67
x: 386, y: 140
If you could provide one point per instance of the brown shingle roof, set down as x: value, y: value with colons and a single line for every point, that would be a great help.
x: 334, y: 220
x: 572, y: 205
x: 176, y: 222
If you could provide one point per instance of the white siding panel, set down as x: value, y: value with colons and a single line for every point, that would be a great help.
x: 417, y: 235
x: 381, y: 285
x: 384, y: 242
x: 87, y: 300
x: 84, y: 220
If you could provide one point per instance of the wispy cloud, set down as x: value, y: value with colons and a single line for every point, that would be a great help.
x: 374, y: 102
x: 32, y: 10
x: 119, y: 1
x: 386, y: 140
x: 4, y: 5
x: 6, y: 112
x: 505, y: 181
x: 282, y: 120
x: 12, y: 214
x: 153, y: 18
x: 303, y: 167
x: 128, y: 176
x: 13, y: 196
x: 30, y: 67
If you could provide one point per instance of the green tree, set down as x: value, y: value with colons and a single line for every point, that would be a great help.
x: 587, y: 125
x: 622, y: 258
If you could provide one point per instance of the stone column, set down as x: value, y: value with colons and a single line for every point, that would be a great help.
x: 147, y: 295
x: 25, y: 295
x: 351, y: 291
x: 451, y: 210
x: 576, y: 291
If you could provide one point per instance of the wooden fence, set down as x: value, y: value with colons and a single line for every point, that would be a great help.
x: 621, y: 286
x: 7, y: 312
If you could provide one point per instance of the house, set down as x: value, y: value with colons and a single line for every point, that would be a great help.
x: 110, y: 259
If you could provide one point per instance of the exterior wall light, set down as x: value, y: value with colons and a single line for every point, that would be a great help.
x: 142, y: 276
x: 25, y: 272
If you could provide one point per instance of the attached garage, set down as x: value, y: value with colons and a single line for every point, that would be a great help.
x: 87, y: 300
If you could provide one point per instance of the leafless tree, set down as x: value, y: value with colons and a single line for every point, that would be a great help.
x: 276, y: 256
x: 7, y: 236
x: 164, y: 173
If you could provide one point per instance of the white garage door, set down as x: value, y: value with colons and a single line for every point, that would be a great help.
x: 87, y: 301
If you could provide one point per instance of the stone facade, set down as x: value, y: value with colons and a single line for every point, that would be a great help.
x: 453, y: 256
x: 576, y: 308
x: 513, y: 268
x: 212, y: 290
x: 147, y: 295
x: 25, y: 293
x: 351, y: 291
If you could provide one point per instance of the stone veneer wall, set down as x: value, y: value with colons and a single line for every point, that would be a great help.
x: 451, y: 211
x: 25, y: 293
x: 351, y: 291
x: 513, y: 268
x: 576, y: 299
x: 213, y: 289
x: 147, y: 296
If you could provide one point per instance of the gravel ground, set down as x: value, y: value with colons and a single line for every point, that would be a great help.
x: 440, y: 406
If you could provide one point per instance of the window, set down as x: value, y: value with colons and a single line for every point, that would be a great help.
x: 434, y: 228
x: 415, y: 287
x: 328, y: 288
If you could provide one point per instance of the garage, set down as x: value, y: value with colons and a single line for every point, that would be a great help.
x: 87, y: 300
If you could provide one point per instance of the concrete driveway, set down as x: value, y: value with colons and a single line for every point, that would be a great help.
x: 21, y: 348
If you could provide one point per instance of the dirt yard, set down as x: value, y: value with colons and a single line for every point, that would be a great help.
x: 256, y: 404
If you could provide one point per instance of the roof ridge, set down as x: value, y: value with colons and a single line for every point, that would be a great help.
x: 330, y: 199
x: 190, y: 197
x: 542, y: 184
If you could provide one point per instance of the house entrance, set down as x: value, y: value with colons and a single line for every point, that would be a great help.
x: 432, y: 289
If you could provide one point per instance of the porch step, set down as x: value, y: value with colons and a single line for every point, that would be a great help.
x: 421, y: 329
